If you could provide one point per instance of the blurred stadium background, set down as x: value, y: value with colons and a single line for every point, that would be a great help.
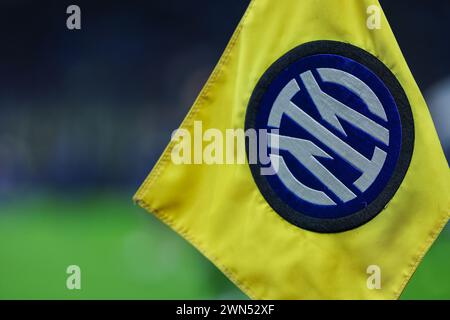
x: 85, y: 114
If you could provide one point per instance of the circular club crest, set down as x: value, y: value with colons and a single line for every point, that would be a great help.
x: 340, y: 132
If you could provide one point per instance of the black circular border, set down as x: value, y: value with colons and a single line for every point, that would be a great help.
x: 376, y: 206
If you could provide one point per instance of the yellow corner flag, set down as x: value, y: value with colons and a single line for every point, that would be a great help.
x: 343, y: 185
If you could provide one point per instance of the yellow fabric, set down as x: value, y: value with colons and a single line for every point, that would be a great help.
x: 219, y: 209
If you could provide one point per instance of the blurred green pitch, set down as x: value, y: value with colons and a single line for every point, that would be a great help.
x: 125, y: 253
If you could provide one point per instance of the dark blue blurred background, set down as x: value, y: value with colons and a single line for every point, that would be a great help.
x: 95, y: 107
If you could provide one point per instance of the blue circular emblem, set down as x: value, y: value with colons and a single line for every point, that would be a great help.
x: 338, y: 135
